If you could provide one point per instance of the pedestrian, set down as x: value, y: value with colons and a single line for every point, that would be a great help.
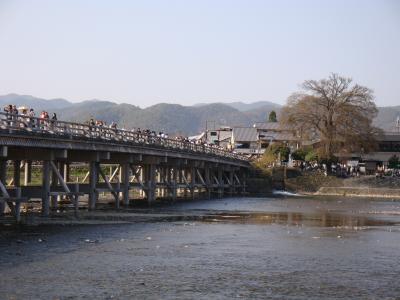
x: 53, y: 121
x: 31, y: 115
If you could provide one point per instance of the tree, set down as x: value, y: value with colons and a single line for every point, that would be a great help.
x: 272, y: 116
x: 275, y: 152
x: 311, y: 156
x: 335, y: 113
x: 299, y: 154
x: 394, y: 162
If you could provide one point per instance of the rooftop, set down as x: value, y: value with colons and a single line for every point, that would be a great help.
x: 271, y: 126
x: 245, y: 134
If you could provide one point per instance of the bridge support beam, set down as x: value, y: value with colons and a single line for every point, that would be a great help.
x: 192, y: 181
x: 66, y: 171
x: 231, y: 182
x: 93, y: 180
x: 174, y: 183
x: 150, y: 181
x: 125, y: 170
x: 27, y: 172
x: 220, y: 183
x: 46, y: 188
x: 208, y: 181
x: 53, y: 185
x: 244, y: 176
x: 3, y: 177
x: 17, y: 173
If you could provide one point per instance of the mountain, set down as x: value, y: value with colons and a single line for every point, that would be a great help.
x: 387, y: 117
x: 171, y: 118
x: 30, y: 101
x: 243, y: 107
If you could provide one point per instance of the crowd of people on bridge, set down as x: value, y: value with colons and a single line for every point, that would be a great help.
x: 24, y: 117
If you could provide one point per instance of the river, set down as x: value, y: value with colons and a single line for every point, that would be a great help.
x: 258, y: 248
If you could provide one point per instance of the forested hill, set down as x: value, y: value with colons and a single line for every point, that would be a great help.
x: 171, y: 118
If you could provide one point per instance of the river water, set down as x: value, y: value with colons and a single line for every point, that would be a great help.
x: 258, y: 248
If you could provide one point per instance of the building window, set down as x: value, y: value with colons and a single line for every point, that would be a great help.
x: 244, y: 146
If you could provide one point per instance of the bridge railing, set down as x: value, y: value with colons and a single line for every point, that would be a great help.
x: 55, y: 128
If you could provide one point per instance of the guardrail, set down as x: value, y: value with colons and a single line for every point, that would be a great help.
x: 21, y: 123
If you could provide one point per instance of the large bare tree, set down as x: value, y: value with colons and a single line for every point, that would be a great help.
x: 336, y: 112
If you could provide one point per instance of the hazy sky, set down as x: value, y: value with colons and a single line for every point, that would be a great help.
x: 145, y: 52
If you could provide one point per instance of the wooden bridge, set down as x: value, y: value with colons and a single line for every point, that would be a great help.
x: 142, y: 166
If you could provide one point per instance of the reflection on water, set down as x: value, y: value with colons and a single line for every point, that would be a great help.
x: 294, y: 218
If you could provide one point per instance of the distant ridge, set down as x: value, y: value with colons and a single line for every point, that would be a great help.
x: 172, y: 118
x: 241, y: 106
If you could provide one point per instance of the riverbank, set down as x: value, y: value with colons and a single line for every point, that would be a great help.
x: 364, y: 186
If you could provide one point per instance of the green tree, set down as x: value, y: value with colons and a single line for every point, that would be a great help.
x: 394, y: 162
x: 311, y: 156
x: 272, y: 116
x: 299, y: 154
x: 275, y: 152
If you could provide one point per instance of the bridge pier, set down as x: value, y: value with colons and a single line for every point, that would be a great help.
x: 150, y: 178
x: 53, y: 186
x: 207, y: 181
x: 244, y: 176
x: 192, y: 182
x: 27, y: 172
x: 3, y: 178
x: 174, y: 183
x: 93, y: 181
x: 125, y: 170
x: 17, y: 173
x: 220, y: 183
x: 231, y: 182
x: 66, y: 172
x: 46, y: 188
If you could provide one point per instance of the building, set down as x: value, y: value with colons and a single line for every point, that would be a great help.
x: 245, y: 140
x: 275, y: 132
x: 388, y: 146
x: 220, y: 137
